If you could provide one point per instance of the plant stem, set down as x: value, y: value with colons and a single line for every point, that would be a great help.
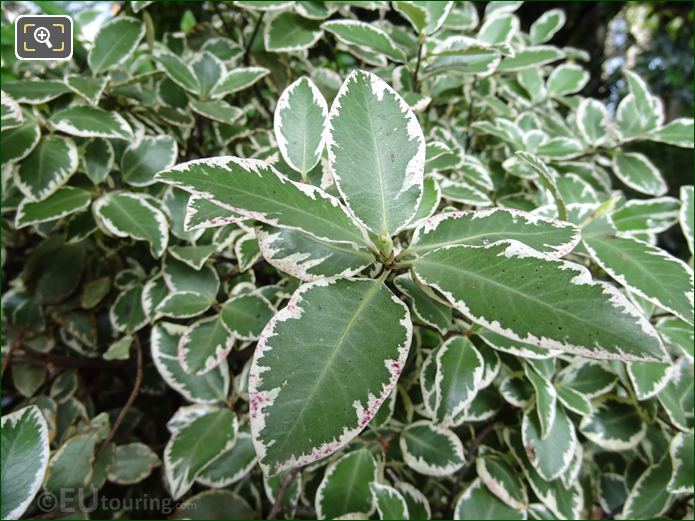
x: 280, y: 497
x: 247, y: 49
x: 421, y: 41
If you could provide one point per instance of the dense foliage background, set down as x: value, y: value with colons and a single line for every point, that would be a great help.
x: 131, y: 309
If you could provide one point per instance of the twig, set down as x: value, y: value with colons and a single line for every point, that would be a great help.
x: 247, y: 48
x: 6, y: 359
x: 47, y: 359
x: 469, y: 118
x: 280, y: 497
x: 417, y: 64
x: 133, y: 394
x: 218, y: 12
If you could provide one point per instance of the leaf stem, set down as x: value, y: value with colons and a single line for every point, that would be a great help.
x: 421, y: 40
x: 280, y: 497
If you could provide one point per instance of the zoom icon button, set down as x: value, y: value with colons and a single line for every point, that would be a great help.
x: 43, y: 37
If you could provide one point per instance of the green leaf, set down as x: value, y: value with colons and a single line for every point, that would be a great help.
x: 25, y: 453
x: 592, y: 121
x: 185, y: 304
x: 134, y: 462
x: 430, y: 449
x: 431, y: 197
x: 555, y: 305
x: 566, y: 79
x: 480, y: 228
x: 646, y: 270
x: 300, y: 119
x: 216, y: 110
x: 125, y: 214
x: 115, y: 43
x: 98, y: 159
x: 147, y: 156
x: 574, y: 400
x: 64, y: 201
x: 18, y: 142
x: 677, y: 333
x: 90, y: 89
x: 71, y: 465
x: 514, y: 347
x: 477, y: 502
x: 615, y: 424
x: 195, y: 446
x: 285, y: 404
x: 551, y: 454
x: 254, y: 189
x: 647, y: 215
x: 425, y: 17
x: 290, y: 32
x: 648, y: 378
x: 34, y: 92
x: 588, y: 377
x: 232, y: 465
x: 678, y: 132
x: 677, y: 397
x: 215, y: 504
x: 686, y: 216
x: 211, y: 387
x: 459, y: 373
x: 202, y: 213
x: 180, y: 277
x: 498, y: 29
x: 127, y: 313
x: 637, y: 172
x: 389, y: 502
x: 649, y: 497
x: 546, y: 26
x: 272, y: 486
x: 308, y: 258
x: 502, y: 480
x: 209, y: 70
x: 205, y: 345
x: 546, y: 400
x: 86, y: 121
x: 464, y: 55
x: 53, y: 269
x: 178, y: 71
x: 532, y: 56
x: 418, y: 505
x: 247, y: 251
x: 365, y: 36
x: 246, y: 315
x: 119, y: 350
x: 378, y: 163
x: 681, y: 452
x: 425, y: 308
x: 345, y: 488
x: 463, y: 192
x: 11, y: 112
x: 649, y: 110
x: 238, y: 79
x: 47, y: 167
x: 194, y: 256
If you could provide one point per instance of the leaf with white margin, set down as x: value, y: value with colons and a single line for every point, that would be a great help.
x: 678, y: 333
x: 686, y: 216
x: 209, y: 70
x: 193, y: 256
x: 574, y: 400
x: 299, y: 121
x: 345, y: 489
x: 571, y: 312
x: 34, y: 92
x: 64, y: 201
x: 88, y: 121
x: 238, y: 79
x: 90, y: 89
x: 564, y: 502
x: 376, y: 153
x: 430, y: 449
x: 365, y: 36
x: 431, y: 197
x: 647, y: 215
x: 645, y: 270
x: 464, y: 55
x: 502, y: 480
x: 459, y: 373
x: 546, y: 400
x: 498, y: 29
x: 425, y: 308
x: 212, y: 387
x: 232, y: 465
x: 134, y: 462
x: 308, y: 258
x: 203, y: 213
x: 545, y: 27
x: 648, y: 378
x: 46, y: 168
x: 532, y: 56
x: 592, y: 121
x: 254, y: 189
x: 639, y: 173
x: 514, y: 347
x: 127, y: 313
x: 615, y: 425
x: 677, y: 397
x: 25, y: 452
x: 180, y: 277
x: 98, y: 159
x: 551, y: 454
x: 560, y: 148
x: 287, y: 405
x: 147, y: 156
x: 462, y: 192
x: 204, y: 345
x: 681, y: 451
x: 71, y: 465
x: 196, y: 445
x: 18, y: 142
x: 418, y: 505
x: 612, y: 491
x: 212, y: 504
x: 678, y: 132
x: 246, y: 315
x: 178, y: 71
x: 185, y: 304
x: 477, y: 502
x: 11, y: 116
x: 389, y: 502
x: 125, y: 214
x: 115, y: 43
x: 290, y: 32
x: 247, y: 251
x: 589, y: 377
x: 650, y: 497
x: 427, y: 376
x: 567, y: 78
x: 483, y: 227
x: 649, y: 109
x: 216, y: 110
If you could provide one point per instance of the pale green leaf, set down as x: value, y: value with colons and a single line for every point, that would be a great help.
x: 345, y: 488
x: 365, y: 36
x: 431, y: 450
x: 64, y: 201
x: 147, y: 156
x: 86, y: 121
x: 290, y: 32
x: 115, y: 43
x: 47, y: 167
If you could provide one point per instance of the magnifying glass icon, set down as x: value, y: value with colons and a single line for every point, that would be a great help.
x: 43, y: 35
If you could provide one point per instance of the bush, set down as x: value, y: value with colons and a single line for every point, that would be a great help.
x: 355, y: 259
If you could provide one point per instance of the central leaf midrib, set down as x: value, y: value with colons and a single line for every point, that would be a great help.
x: 380, y: 175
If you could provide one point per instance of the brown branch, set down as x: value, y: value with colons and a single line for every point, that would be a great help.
x: 280, y: 497
x: 133, y: 394
x: 248, y: 45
